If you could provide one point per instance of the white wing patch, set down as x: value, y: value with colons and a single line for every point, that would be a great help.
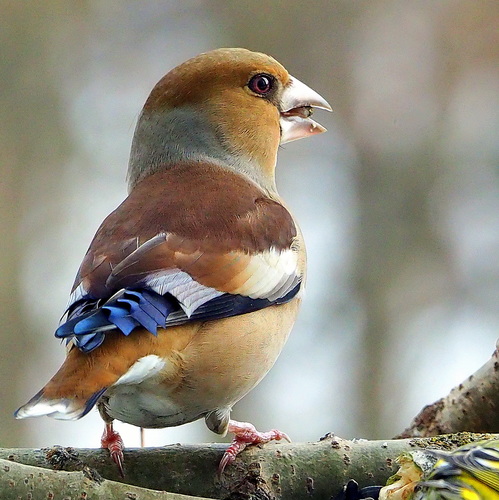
x: 267, y: 275
x: 184, y: 288
x: 143, y: 369
x: 272, y: 274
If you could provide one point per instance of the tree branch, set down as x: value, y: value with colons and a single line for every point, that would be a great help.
x: 471, y: 406
x: 26, y: 481
x: 283, y: 471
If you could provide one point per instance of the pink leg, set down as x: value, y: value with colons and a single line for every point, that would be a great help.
x: 246, y: 434
x: 112, y: 441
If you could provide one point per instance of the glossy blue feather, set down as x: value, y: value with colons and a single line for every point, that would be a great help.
x: 89, y: 319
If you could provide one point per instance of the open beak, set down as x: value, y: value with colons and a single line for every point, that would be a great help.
x: 297, y: 105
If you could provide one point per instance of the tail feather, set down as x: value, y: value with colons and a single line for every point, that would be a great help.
x: 59, y: 408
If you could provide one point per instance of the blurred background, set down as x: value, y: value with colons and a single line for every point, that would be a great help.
x: 399, y: 201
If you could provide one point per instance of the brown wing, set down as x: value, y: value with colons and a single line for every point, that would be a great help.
x: 195, y: 231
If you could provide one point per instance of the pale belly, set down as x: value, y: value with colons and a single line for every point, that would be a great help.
x: 222, y: 362
x: 149, y: 406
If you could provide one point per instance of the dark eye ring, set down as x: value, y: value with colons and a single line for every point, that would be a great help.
x: 261, y: 84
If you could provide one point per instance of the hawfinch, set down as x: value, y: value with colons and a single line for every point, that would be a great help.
x: 190, y: 287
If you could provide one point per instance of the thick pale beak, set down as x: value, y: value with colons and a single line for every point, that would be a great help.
x: 297, y: 105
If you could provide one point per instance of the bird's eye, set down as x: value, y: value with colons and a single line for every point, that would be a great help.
x: 261, y: 84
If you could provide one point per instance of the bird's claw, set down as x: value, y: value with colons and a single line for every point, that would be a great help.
x: 246, y: 434
x: 118, y: 458
x: 230, y: 454
x: 112, y: 441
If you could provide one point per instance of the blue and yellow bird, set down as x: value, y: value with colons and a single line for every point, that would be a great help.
x: 469, y: 473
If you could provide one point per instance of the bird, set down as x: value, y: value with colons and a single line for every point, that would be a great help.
x: 470, y: 472
x: 190, y: 287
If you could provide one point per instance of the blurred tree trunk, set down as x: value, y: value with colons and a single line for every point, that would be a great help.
x: 394, y: 231
x: 33, y: 146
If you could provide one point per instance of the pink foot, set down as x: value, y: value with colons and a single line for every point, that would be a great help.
x: 112, y: 441
x: 246, y: 434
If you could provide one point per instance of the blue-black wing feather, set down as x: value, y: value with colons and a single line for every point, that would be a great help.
x: 88, y: 319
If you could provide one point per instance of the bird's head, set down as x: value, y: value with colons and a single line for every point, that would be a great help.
x: 232, y: 107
